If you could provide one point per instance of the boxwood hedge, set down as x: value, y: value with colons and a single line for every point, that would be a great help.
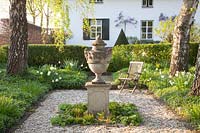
x: 157, y: 54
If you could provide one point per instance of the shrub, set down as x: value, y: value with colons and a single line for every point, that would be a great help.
x: 49, y: 54
x: 61, y: 78
x: 158, y: 55
x: 133, y: 40
x: 165, y: 31
x: 16, y: 95
x: 121, y: 38
x: 69, y: 114
x: 3, y: 54
x: 173, y: 90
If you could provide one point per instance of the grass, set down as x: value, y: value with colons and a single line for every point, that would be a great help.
x: 174, y: 91
x: 120, y: 113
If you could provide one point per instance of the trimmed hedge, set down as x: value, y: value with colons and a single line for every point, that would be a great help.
x: 50, y: 54
x: 3, y: 54
x: 157, y: 54
x: 41, y: 54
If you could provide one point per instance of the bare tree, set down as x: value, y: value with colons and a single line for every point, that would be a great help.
x: 121, y: 20
x: 18, y: 50
x: 33, y: 9
x: 180, y: 48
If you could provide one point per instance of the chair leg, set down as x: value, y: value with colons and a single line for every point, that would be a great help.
x: 135, y: 87
x: 123, y: 86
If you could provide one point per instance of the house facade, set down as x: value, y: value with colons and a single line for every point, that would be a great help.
x: 103, y: 21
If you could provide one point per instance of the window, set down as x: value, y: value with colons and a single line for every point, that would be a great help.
x: 97, y: 27
x: 147, y: 30
x: 96, y: 1
x: 147, y: 3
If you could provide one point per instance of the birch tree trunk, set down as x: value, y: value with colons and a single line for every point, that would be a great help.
x: 196, y: 83
x: 180, y: 48
x: 18, y: 53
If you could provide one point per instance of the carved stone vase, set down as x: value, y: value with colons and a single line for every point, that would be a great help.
x: 98, y: 59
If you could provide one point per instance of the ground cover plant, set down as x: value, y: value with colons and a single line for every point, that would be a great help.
x: 18, y: 93
x: 174, y: 91
x: 120, y: 113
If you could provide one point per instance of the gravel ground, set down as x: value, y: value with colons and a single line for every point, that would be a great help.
x: 157, y: 118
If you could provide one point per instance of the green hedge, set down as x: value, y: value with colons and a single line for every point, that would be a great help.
x: 41, y: 54
x: 50, y: 54
x: 3, y: 54
x: 158, y: 54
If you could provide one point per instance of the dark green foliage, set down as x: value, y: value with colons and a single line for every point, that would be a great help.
x: 121, y: 40
x: 157, y: 54
x: 69, y: 114
x: 60, y: 78
x: 50, y: 54
x: 16, y: 95
x: 173, y: 90
x: 3, y: 54
x: 42, y: 54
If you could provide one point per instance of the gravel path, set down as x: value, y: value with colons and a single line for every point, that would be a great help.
x: 157, y: 118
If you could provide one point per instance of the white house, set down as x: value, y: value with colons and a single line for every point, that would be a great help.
x: 146, y: 12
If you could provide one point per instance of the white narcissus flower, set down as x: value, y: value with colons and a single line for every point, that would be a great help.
x: 162, y: 76
x: 183, y: 73
x: 49, y: 73
x: 51, y: 68
x: 60, y: 77
x: 186, y: 83
x: 41, y: 73
x: 160, y: 71
x: 176, y: 74
x: 53, y: 81
x: 56, y: 80
x: 171, y: 82
x: 71, y: 64
x: 37, y: 72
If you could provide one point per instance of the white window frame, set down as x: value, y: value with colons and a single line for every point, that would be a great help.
x: 147, y: 5
x: 146, y: 27
x: 95, y: 23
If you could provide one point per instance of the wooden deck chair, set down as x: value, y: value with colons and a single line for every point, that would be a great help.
x: 133, y: 74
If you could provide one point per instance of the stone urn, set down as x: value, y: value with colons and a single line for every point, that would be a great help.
x: 98, y: 59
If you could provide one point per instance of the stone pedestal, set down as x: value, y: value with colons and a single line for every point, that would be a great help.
x: 98, y: 97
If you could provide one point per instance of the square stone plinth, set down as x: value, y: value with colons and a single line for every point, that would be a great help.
x: 98, y: 97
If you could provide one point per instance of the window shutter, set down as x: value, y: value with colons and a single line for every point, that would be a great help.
x: 105, y: 29
x: 86, y: 35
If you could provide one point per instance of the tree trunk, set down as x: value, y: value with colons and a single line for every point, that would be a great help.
x: 196, y: 83
x: 180, y: 48
x: 18, y: 53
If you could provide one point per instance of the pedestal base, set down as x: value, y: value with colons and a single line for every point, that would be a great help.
x: 98, y: 97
